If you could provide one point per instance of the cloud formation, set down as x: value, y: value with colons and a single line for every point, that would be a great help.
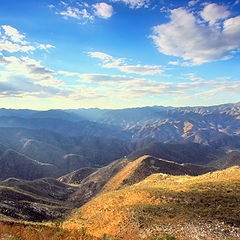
x: 199, y: 38
x: 103, y: 10
x: 13, y: 34
x: 83, y: 11
x: 22, y: 76
x: 72, y: 12
x: 109, y: 61
x: 134, y: 3
x: 213, y: 12
x: 12, y: 41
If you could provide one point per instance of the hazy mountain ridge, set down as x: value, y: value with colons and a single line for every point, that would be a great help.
x: 62, y: 138
x: 181, y: 152
x: 69, y: 140
x: 66, y: 153
x: 159, y: 123
x: 14, y: 164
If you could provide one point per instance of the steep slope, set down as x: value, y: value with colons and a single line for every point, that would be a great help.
x: 77, y: 176
x: 38, y: 200
x: 187, y: 207
x: 123, y: 172
x: 13, y: 164
x: 94, y: 183
x: 145, y: 166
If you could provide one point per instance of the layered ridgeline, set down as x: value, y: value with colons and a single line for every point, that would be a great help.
x: 92, y: 138
x: 41, y: 199
x: 198, y: 124
x: 64, y: 153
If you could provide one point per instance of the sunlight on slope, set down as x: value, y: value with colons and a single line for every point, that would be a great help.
x: 164, y: 203
x: 118, y: 180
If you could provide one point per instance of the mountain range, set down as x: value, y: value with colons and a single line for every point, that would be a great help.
x: 73, y: 139
x: 78, y: 166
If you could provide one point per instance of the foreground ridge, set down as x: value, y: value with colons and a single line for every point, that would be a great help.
x: 187, y: 207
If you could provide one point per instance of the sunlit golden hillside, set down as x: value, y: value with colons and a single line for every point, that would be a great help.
x: 166, y: 207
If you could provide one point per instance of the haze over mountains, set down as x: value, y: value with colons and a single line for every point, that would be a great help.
x: 108, y: 154
x: 71, y: 139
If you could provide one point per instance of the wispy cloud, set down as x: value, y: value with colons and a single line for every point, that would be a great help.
x: 11, y: 40
x: 23, y: 76
x: 72, y: 12
x: 121, y: 64
x: 193, y: 3
x: 83, y: 11
x: 135, y: 3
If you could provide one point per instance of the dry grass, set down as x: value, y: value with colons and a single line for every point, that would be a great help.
x: 26, y: 231
x: 118, y: 180
x: 203, y: 207
x: 187, y: 127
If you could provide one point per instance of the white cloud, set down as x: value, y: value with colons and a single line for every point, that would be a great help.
x: 84, y: 12
x: 14, y: 47
x: 122, y: 86
x: 30, y: 69
x: 192, y: 77
x: 12, y: 41
x: 213, y: 12
x: 195, y: 42
x: 135, y: 3
x: 76, y: 13
x: 103, y: 10
x: 193, y: 2
x: 100, y: 55
x: 27, y: 77
x: 45, y: 46
x: 14, y: 34
x: 120, y: 64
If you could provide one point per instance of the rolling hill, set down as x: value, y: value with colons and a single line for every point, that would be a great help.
x: 124, y: 172
x: 145, y: 166
x: 163, y: 206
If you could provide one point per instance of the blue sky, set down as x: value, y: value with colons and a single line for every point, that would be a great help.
x: 118, y: 53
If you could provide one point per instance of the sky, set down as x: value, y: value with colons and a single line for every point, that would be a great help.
x: 118, y: 53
